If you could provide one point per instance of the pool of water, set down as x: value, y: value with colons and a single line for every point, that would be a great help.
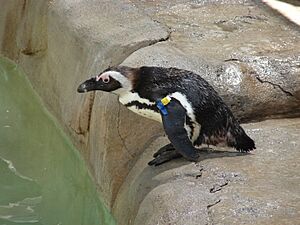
x: 43, y: 179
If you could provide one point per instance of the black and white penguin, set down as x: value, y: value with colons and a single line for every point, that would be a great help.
x: 191, y: 111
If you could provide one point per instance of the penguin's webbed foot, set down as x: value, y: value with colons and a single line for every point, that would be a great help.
x: 163, y: 155
x: 166, y: 148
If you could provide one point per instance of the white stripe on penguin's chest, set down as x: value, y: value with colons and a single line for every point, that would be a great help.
x: 130, y: 97
x: 150, y: 114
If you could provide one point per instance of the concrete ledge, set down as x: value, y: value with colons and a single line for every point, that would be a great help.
x: 225, y: 187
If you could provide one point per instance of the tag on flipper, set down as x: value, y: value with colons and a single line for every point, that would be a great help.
x: 162, y: 103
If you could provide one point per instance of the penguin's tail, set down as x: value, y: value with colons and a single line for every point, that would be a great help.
x: 243, y: 142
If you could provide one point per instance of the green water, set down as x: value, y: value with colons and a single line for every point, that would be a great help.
x: 43, y: 180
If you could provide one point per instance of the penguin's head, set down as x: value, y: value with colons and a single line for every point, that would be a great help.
x: 110, y: 80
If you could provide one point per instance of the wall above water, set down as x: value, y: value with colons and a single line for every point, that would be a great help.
x: 61, y: 43
x: 248, y: 53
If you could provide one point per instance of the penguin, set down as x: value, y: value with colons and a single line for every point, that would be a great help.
x: 190, y: 110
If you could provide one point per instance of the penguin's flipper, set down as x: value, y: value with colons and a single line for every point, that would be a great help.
x: 173, y: 124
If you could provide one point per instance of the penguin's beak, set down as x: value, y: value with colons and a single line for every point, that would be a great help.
x: 94, y: 84
x: 88, y: 85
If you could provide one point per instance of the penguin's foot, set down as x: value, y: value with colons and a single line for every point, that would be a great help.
x: 165, y: 154
x: 206, y: 149
x: 166, y: 148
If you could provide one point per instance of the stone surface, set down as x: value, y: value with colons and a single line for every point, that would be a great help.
x: 250, y: 55
x: 225, y: 187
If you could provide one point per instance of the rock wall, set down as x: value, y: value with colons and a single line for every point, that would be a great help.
x: 61, y: 43
x: 248, y: 53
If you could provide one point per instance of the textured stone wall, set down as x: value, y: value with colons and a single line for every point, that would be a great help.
x: 61, y: 43
x: 248, y: 53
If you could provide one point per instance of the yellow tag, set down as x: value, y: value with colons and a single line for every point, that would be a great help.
x: 166, y: 100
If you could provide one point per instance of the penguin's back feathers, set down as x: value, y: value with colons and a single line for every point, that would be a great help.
x: 204, y: 106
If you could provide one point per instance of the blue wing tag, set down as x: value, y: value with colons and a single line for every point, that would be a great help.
x: 162, y: 103
x: 162, y: 108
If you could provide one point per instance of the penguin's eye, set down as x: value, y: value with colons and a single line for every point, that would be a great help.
x: 106, y: 80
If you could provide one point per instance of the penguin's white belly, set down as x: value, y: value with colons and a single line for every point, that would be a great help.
x: 150, y: 114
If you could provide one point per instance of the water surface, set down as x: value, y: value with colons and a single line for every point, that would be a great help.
x: 43, y: 180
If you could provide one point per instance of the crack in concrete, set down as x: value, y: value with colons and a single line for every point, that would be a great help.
x: 218, y: 187
x: 274, y: 85
x: 90, y: 110
x: 169, y: 30
x: 84, y: 123
x: 118, y: 130
x: 209, y: 213
x: 163, y: 39
x: 200, y: 173
x: 213, y: 204
x: 31, y: 52
x: 153, y: 43
x: 76, y: 132
x: 261, y: 80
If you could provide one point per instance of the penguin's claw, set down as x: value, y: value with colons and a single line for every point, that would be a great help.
x: 165, y: 156
x: 166, y: 148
